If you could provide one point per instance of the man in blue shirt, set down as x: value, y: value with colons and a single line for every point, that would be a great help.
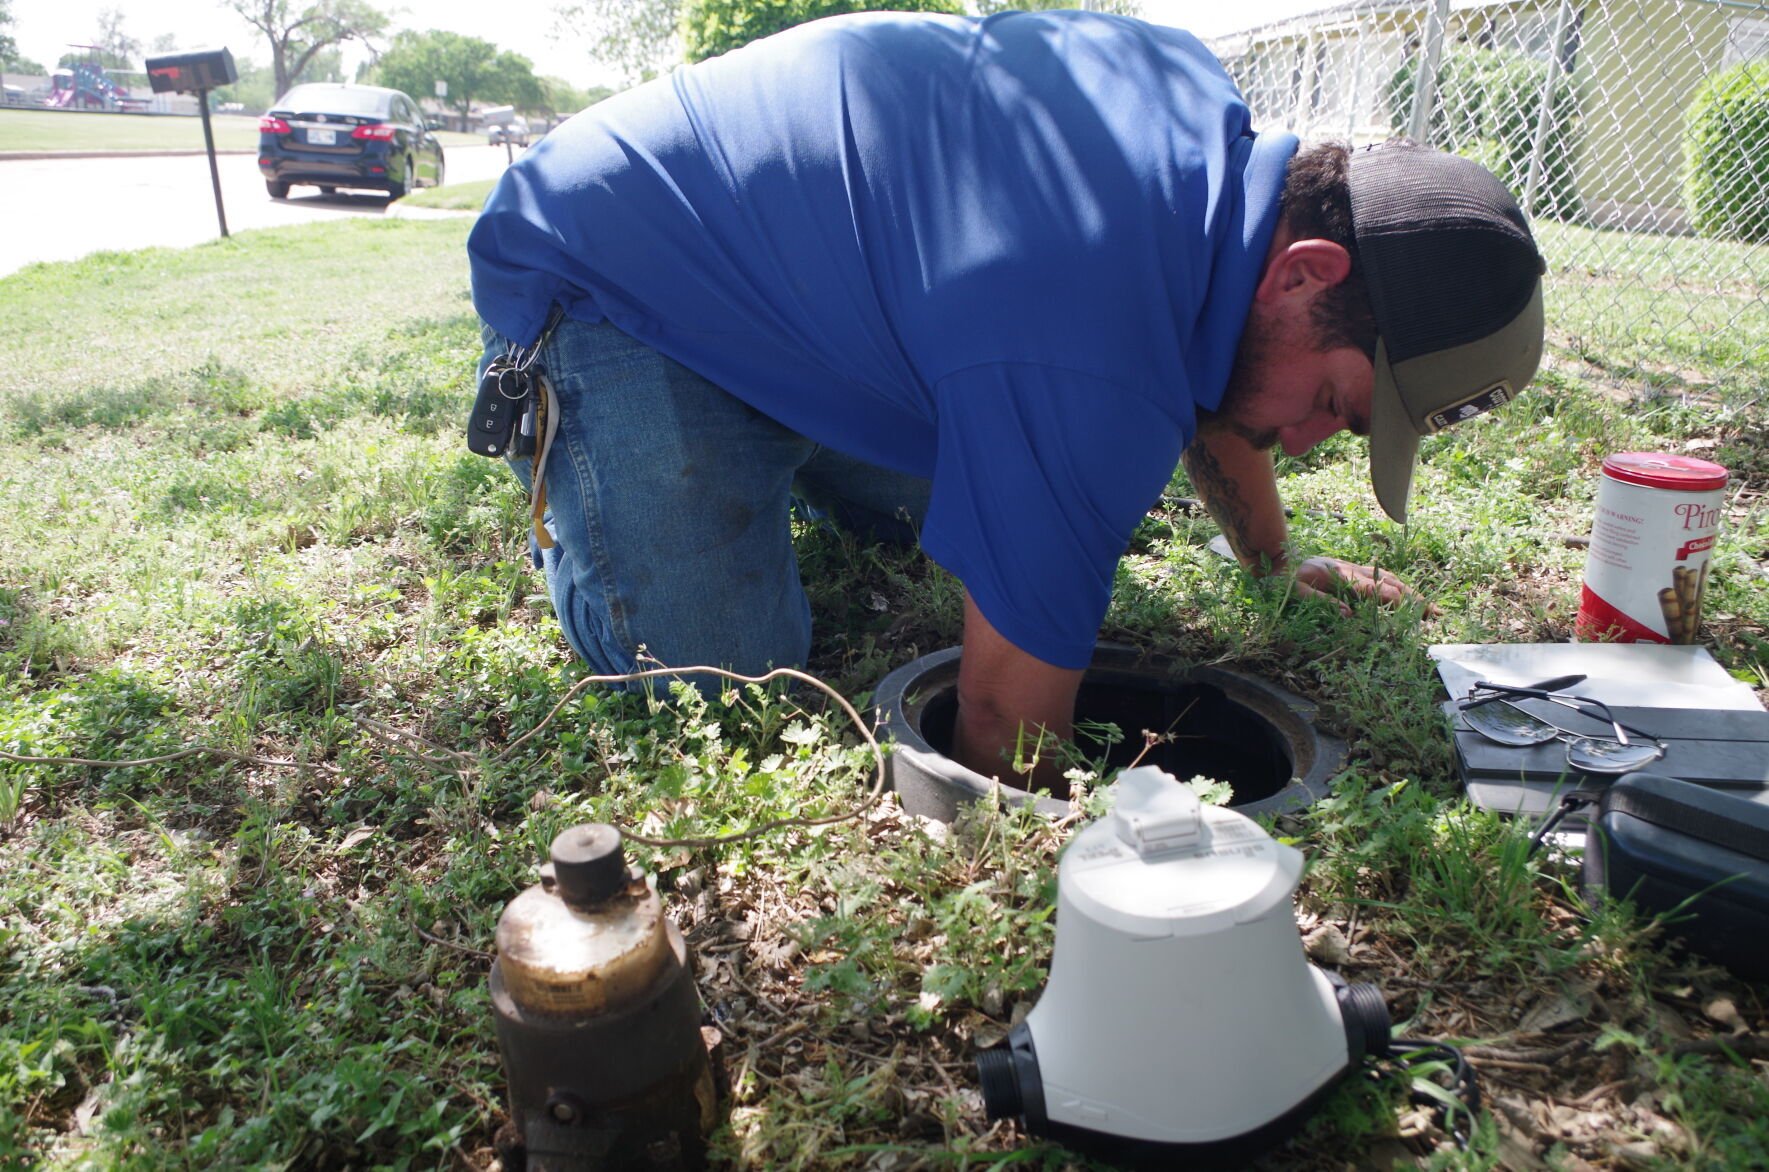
x: 983, y: 282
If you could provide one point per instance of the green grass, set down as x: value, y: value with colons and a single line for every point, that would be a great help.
x: 63, y: 130
x: 235, y: 510
x: 1665, y: 309
x: 460, y: 197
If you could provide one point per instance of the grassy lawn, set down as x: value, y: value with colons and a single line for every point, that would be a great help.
x: 457, y: 197
x: 57, y: 130
x: 238, y: 514
x: 1666, y: 310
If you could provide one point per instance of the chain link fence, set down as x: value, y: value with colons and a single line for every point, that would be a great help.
x: 1636, y: 132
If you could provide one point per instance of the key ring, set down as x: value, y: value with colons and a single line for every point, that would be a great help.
x: 527, y: 354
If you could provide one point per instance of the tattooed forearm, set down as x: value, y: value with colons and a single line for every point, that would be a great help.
x: 1234, y: 513
x: 1220, y: 495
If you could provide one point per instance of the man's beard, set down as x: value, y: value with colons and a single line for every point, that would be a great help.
x: 1258, y: 343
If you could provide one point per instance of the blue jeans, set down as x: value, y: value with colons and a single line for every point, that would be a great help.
x: 669, y: 501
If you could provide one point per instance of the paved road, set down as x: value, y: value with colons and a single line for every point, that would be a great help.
x: 61, y: 209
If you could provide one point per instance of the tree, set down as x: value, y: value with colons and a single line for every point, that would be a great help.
x: 8, y: 46
x: 712, y: 27
x: 474, y: 70
x: 636, y: 37
x: 113, y: 42
x: 111, y: 47
x: 10, y: 61
x: 108, y: 61
x: 559, y: 96
x: 513, y: 81
x: 298, y: 36
x: 255, y: 90
x: 326, y: 66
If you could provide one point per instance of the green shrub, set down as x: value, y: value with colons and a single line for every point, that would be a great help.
x: 1487, y: 105
x: 711, y: 27
x: 1726, y: 140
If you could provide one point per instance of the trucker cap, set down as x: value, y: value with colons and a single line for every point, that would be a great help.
x: 1455, y: 284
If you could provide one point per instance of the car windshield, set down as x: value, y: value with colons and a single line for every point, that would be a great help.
x: 335, y: 99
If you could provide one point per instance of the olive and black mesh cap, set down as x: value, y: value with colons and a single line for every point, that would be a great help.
x: 1455, y: 283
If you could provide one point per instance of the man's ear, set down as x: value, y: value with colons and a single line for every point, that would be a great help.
x: 1303, y: 268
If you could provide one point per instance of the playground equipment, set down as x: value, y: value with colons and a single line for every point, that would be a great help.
x: 85, y: 87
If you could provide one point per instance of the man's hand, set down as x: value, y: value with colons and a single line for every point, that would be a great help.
x: 1237, y: 484
x: 1335, y: 577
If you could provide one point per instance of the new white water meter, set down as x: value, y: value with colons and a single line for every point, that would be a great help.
x: 1181, y: 1009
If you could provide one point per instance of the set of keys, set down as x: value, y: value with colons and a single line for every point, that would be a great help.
x: 515, y: 414
x: 505, y: 408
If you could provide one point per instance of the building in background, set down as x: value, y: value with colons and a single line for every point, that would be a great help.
x: 1628, y: 67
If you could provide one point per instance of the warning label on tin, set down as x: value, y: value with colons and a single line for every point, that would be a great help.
x: 1614, y: 537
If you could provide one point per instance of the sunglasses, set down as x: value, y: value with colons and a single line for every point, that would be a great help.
x: 1490, y: 710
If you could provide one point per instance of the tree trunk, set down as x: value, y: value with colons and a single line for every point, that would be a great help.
x: 279, y: 64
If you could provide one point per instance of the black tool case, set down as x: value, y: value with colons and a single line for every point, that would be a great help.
x: 1698, y: 853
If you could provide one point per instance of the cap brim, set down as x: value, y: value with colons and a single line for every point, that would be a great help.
x: 1394, y: 444
x: 1505, y: 360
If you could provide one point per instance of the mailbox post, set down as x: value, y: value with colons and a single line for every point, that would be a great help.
x: 197, y: 72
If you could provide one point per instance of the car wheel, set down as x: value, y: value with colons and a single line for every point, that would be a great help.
x: 277, y: 188
x: 405, y: 184
x: 441, y: 171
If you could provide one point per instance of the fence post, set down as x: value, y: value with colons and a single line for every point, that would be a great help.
x: 1539, y: 147
x: 1425, y: 84
x: 1307, y: 80
x: 1357, y: 76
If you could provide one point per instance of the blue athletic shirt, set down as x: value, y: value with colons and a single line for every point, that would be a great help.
x: 1010, y: 255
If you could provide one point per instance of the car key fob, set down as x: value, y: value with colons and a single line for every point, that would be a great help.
x: 523, y: 442
x: 497, y: 409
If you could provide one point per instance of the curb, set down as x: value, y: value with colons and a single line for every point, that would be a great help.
x: 28, y: 156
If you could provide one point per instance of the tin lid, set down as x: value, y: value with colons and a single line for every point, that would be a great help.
x: 1663, y: 470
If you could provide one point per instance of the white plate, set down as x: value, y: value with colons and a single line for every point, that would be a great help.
x: 318, y: 137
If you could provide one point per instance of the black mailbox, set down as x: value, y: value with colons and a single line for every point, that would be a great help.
x: 183, y: 73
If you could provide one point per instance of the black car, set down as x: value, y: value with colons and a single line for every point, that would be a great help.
x: 336, y: 136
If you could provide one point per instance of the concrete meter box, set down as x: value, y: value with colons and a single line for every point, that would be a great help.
x: 185, y: 73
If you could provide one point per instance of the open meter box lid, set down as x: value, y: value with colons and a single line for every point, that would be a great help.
x: 1715, y: 732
